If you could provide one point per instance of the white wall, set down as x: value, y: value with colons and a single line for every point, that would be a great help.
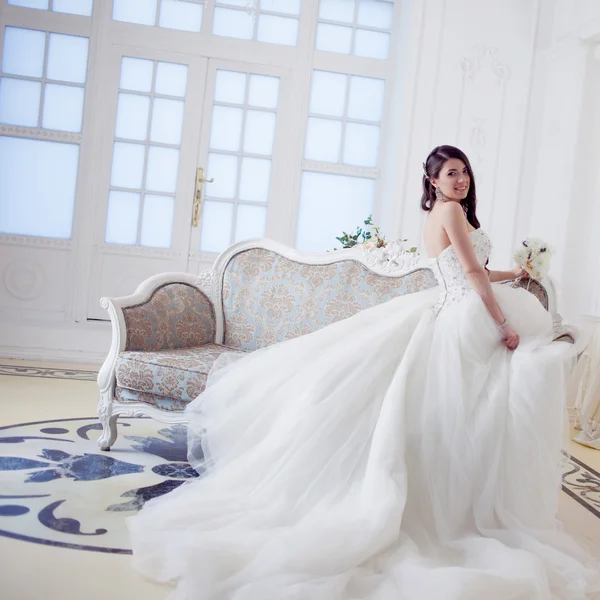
x: 471, y: 89
x: 560, y: 197
x: 515, y: 85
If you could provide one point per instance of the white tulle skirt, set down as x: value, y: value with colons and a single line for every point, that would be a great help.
x: 394, y: 455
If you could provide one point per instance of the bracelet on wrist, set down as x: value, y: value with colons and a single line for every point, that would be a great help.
x: 503, y: 324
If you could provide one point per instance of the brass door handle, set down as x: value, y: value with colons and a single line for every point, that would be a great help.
x: 199, y: 195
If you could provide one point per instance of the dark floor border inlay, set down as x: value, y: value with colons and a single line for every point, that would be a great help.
x: 47, y: 372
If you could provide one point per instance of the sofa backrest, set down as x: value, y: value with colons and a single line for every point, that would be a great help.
x: 269, y: 298
x: 176, y: 315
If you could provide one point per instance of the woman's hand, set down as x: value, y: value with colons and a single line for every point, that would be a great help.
x: 511, y: 338
x: 519, y: 271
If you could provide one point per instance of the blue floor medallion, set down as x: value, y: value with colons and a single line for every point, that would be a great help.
x: 58, y: 488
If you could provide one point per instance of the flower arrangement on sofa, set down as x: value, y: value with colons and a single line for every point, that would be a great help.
x: 387, y: 256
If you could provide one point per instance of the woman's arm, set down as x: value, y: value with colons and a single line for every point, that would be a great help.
x: 506, y: 275
x: 453, y: 221
x: 501, y: 276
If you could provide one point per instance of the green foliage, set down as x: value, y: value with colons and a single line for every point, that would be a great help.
x: 361, y: 235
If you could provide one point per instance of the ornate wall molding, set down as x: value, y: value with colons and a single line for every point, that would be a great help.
x: 136, y: 251
x: 24, y: 279
x: 482, y: 57
x: 324, y: 167
x: 40, y: 134
x: 41, y: 242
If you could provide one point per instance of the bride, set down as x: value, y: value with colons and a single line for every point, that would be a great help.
x: 410, y: 452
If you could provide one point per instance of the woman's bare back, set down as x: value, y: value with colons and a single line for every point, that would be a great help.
x: 434, y: 234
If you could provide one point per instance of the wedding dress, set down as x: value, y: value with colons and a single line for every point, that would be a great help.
x: 401, y: 454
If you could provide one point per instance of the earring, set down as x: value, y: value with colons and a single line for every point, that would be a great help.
x: 438, y: 194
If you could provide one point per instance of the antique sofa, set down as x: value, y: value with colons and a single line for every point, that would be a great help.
x: 168, y: 333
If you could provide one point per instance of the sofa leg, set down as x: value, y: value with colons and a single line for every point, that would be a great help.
x: 109, y: 424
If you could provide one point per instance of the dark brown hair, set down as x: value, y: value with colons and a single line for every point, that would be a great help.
x: 431, y: 170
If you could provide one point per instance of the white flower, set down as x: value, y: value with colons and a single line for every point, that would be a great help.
x: 534, y: 256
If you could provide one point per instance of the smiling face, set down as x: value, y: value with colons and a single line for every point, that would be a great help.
x: 453, y: 179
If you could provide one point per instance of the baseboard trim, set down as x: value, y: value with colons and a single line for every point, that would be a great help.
x: 52, y: 355
x: 55, y: 342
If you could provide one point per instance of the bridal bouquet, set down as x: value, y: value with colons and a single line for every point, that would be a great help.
x: 534, y: 256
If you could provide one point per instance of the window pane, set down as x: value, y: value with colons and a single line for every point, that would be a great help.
x: 42, y: 4
x: 19, y: 102
x: 333, y: 38
x: 171, y: 79
x: 264, y: 91
x: 74, y: 7
x: 233, y: 23
x: 179, y: 14
x: 161, y: 173
x: 226, y: 128
x: 128, y: 165
x: 260, y: 132
x: 216, y: 226
x: 135, y: 11
x: 255, y: 179
x: 63, y: 107
x: 366, y: 98
x: 250, y: 222
x: 337, y: 10
x: 277, y: 30
x: 290, y: 7
x: 223, y: 168
x: 23, y: 52
x: 361, y: 144
x: 132, y: 117
x: 330, y: 204
x: 67, y: 58
x: 323, y: 140
x: 328, y: 93
x: 157, y: 221
x: 136, y: 74
x: 167, y: 121
x: 230, y: 87
x: 122, y: 218
x: 375, y: 13
x: 372, y: 44
x: 39, y: 205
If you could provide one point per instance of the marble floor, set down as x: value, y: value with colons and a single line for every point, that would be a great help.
x: 33, y: 392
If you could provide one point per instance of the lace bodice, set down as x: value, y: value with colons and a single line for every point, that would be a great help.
x: 449, y: 273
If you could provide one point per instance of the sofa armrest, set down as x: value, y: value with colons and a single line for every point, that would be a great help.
x: 166, y: 312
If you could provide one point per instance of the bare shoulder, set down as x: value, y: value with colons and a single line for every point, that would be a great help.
x: 451, y: 209
x: 451, y: 213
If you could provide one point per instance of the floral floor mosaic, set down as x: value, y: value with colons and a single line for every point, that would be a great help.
x: 57, y: 488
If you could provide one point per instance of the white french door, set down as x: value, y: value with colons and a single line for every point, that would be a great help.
x: 154, y: 211
x: 239, y: 178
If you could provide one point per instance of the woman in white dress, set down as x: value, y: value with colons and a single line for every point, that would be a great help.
x: 410, y: 452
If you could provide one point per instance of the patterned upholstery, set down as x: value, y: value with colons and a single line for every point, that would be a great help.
x: 163, y: 403
x: 533, y: 286
x: 268, y: 298
x: 177, y: 315
x: 178, y: 374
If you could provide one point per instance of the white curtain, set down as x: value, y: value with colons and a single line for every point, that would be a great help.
x: 585, y: 391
